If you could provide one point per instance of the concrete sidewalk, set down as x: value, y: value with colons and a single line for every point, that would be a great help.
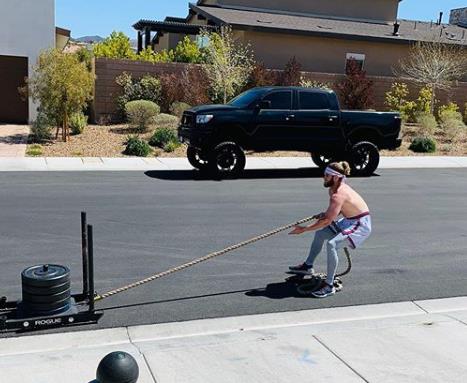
x: 13, y: 140
x: 421, y: 341
x: 161, y: 164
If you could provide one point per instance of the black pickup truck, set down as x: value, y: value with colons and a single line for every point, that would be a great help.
x: 286, y: 118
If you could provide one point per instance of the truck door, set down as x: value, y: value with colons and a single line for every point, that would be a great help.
x: 274, y: 119
x: 315, y: 122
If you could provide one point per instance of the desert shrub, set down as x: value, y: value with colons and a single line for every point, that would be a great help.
x: 423, y: 145
x: 450, y: 107
x: 195, y: 86
x: 428, y: 123
x: 261, y: 76
x: 172, y: 90
x: 424, y: 100
x: 166, y: 120
x: 307, y: 83
x: 34, y: 150
x: 292, y: 73
x: 452, y: 127
x: 162, y: 136
x: 177, y: 108
x: 171, y: 146
x: 141, y: 113
x: 465, y: 113
x: 136, y: 146
x: 41, y: 128
x: 409, y: 112
x: 147, y: 88
x: 356, y: 89
x: 396, y: 98
x: 77, y: 122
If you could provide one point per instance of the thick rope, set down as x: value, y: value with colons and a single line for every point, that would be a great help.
x: 203, y: 259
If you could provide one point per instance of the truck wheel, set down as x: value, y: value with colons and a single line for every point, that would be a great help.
x: 364, y: 159
x: 197, y: 158
x: 321, y: 160
x: 227, y: 159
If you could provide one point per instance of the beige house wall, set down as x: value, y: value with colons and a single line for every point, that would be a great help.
x: 376, y: 10
x: 327, y: 55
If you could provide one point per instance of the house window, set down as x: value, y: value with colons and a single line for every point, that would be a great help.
x: 358, y: 57
x: 202, y: 41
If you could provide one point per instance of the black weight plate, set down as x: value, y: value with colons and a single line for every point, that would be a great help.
x: 46, y: 307
x: 45, y: 275
x: 47, y: 290
x: 31, y: 298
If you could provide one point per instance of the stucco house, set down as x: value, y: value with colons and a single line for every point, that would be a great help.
x: 27, y: 27
x: 322, y: 35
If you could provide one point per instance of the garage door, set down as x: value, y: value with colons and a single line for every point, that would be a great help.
x: 13, y: 70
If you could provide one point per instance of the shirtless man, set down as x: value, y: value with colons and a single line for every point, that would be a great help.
x: 350, y: 231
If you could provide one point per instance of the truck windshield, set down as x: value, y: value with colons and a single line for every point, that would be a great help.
x: 247, y: 98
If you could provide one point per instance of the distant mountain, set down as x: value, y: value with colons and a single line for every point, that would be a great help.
x: 89, y: 39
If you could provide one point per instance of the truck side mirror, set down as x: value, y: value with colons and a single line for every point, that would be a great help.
x: 264, y: 104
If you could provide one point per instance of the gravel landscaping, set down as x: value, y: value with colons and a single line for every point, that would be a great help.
x: 109, y: 141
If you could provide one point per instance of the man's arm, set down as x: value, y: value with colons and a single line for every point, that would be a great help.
x: 334, y: 209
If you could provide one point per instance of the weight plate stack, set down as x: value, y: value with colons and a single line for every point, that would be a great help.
x: 46, y: 289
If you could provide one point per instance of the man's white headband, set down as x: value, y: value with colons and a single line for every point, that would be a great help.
x: 331, y: 172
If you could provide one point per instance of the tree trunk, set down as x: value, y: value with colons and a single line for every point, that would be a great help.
x: 433, y: 98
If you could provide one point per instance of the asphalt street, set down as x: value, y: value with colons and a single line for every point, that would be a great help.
x: 145, y: 223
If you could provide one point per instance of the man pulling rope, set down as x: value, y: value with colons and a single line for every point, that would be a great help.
x: 349, y: 231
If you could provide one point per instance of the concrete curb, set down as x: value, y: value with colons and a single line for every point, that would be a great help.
x: 161, y: 164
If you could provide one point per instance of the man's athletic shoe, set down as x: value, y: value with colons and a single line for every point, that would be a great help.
x: 302, y: 268
x: 324, y: 292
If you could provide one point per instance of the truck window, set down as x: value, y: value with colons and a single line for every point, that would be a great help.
x: 280, y: 100
x: 313, y: 101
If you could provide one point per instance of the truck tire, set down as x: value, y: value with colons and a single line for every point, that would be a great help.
x: 197, y: 158
x: 364, y: 159
x: 321, y: 160
x: 227, y: 159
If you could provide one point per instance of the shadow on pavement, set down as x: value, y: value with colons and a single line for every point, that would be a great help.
x: 172, y: 300
x: 276, y: 291
x: 190, y: 175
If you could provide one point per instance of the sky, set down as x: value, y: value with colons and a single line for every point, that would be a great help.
x: 101, y: 17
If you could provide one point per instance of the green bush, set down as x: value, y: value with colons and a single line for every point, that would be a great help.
x: 171, y: 146
x: 408, y: 111
x: 396, y: 97
x: 177, y: 108
x: 141, y: 113
x: 162, y: 136
x: 136, y: 146
x: 450, y: 107
x: 34, y: 150
x: 116, y: 46
x: 147, y: 88
x: 465, y: 113
x: 423, y: 145
x: 188, y: 51
x: 428, y: 123
x: 41, y: 128
x: 77, y: 122
x: 424, y: 100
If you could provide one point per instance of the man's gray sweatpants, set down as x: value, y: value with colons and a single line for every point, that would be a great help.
x: 334, y: 243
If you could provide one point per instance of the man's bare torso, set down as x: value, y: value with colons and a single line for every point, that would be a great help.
x: 353, y: 205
